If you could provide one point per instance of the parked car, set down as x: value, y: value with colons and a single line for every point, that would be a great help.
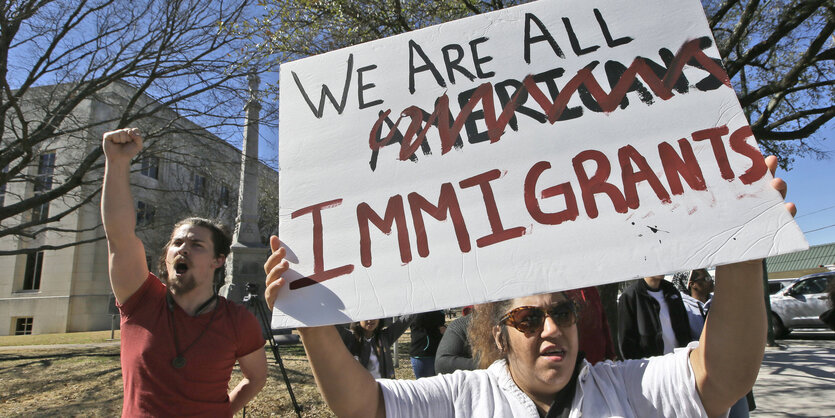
x: 776, y: 285
x: 800, y: 304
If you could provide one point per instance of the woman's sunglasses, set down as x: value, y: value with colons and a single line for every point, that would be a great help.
x: 529, y: 319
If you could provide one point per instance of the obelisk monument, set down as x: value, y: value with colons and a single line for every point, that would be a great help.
x: 246, y: 258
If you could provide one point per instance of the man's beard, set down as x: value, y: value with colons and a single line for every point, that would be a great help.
x: 181, y: 285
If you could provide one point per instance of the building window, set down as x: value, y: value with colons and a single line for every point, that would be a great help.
x: 199, y: 185
x: 150, y: 167
x: 144, y: 213
x: 32, y: 275
x: 224, y: 196
x: 46, y: 167
x: 43, y: 182
x: 3, y: 187
x: 23, y: 326
x: 40, y: 212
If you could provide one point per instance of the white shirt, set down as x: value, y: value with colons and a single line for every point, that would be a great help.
x: 696, y: 314
x: 373, y: 362
x: 667, y: 332
x: 657, y: 387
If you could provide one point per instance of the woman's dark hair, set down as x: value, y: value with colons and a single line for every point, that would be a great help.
x: 358, y: 332
x: 831, y: 291
x: 480, y: 332
x: 221, y: 241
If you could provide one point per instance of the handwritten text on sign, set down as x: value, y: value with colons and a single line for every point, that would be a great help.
x: 547, y: 146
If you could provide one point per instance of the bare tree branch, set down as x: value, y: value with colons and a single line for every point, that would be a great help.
x: 61, y: 59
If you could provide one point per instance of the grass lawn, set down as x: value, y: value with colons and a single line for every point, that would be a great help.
x: 87, y: 381
x: 68, y: 338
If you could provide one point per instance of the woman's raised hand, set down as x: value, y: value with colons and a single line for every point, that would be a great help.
x: 275, y: 267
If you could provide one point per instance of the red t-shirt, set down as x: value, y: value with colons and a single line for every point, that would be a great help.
x: 153, y: 387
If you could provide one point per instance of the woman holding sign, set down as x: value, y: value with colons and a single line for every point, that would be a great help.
x: 531, y: 347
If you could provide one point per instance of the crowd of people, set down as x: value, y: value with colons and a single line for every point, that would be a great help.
x: 548, y: 355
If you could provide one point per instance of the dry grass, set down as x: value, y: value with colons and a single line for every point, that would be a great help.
x: 94, y: 337
x: 87, y: 381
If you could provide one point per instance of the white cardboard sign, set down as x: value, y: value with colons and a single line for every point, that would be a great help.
x: 544, y: 147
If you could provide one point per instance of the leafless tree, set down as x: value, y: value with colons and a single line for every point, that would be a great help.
x: 72, y: 69
x: 780, y: 54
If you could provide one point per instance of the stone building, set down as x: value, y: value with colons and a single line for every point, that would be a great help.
x: 182, y: 172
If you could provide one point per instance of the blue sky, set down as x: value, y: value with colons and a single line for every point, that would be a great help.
x: 812, y: 189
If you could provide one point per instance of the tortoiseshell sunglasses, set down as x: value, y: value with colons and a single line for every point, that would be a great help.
x: 529, y: 319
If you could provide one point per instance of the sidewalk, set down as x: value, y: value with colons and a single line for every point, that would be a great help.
x: 798, y: 381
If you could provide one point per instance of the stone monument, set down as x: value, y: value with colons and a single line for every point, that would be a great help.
x: 245, y: 262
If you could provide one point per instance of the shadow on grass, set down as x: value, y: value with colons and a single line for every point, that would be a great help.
x: 53, y: 356
x: 76, y: 382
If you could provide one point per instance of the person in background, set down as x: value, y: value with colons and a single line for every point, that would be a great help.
x: 454, y: 350
x: 370, y: 343
x: 180, y: 340
x: 651, y: 319
x: 426, y: 331
x: 595, y: 338
x: 697, y: 300
x: 828, y: 316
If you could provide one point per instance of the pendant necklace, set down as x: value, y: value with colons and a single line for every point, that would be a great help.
x: 180, y: 360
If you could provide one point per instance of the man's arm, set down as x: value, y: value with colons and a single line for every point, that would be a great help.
x: 333, y: 366
x: 731, y: 348
x: 254, y: 368
x: 126, y: 254
x: 453, y: 344
x: 398, y: 327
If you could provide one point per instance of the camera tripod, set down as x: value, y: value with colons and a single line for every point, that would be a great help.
x: 258, y: 307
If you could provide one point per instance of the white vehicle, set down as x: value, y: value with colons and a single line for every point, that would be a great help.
x: 801, y: 304
x: 777, y: 285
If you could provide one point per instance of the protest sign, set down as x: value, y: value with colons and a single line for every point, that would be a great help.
x: 548, y: 146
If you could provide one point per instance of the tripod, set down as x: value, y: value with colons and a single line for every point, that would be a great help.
x: 254, y: 303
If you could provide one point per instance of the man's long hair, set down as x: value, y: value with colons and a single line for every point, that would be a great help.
x: 221, y: 240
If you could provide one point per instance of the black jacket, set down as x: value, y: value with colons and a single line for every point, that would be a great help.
x: 639, y: 324
x: 381, y: 344
x: 426, y: 333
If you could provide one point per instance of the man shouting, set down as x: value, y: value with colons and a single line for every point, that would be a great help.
x: 180, y: 340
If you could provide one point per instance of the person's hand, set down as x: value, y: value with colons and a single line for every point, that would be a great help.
x: 778, y: 183
x: 275, y: 267
x: 122, y: 144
